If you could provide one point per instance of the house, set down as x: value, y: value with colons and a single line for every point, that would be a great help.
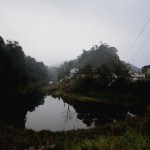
x: 88, y: 73
x: 146, y: 71
x: 137, y: 76
x: 73, y: 72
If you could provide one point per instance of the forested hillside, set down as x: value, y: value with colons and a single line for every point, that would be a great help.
x: 18, y: 71
x: 95, y: 57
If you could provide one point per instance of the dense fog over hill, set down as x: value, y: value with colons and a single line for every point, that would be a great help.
x: 56, y: 31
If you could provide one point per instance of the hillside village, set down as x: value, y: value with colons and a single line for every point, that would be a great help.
x: 97, y: 78
x: 75, y: 75
x: 143, y: 74
x: 91, y: 63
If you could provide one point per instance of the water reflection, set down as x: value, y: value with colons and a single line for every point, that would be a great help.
x: 56, y: 115
x: 13, y: 110
x: 68, y: 114
x: 34, y: 111
x: 99, y: 113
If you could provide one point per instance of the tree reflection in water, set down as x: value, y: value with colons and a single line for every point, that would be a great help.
x: 79, y: 114
x: 13, y: 110
x: 99, y: 113
x: 94, y: 113
x: 68, y: 114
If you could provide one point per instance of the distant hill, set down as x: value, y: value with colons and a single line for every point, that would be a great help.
x: 95, y: 57
x: 134, y: 69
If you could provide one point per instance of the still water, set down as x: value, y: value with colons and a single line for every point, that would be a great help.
x: 56, y: 115
x: 39, y: 112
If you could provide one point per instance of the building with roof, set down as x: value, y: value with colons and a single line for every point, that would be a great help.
x: 146, y: 71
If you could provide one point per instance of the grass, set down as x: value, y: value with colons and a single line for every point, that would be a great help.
x: 130, y: 134
x: 134, y: 93
x: 95, y: 96
x: 129, y: 141
x: 127, y: 135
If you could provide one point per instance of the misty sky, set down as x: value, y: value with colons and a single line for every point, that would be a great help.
x: 53, y: 31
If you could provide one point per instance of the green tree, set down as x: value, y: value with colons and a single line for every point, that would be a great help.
x: 17, y: 70
x: 105, y: 76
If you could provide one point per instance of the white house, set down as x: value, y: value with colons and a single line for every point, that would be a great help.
x: 73, y: 72
x: 137, y: 76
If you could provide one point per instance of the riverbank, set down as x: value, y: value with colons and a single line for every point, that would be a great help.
x: 132, y: 134
x: 102, y: 96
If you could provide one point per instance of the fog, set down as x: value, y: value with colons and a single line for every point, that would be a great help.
x: 53, y: 31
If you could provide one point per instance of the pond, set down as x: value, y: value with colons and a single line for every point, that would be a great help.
x: 39, y: 112
x: 57, y: 115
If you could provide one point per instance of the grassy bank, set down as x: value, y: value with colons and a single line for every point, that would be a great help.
x: 129, y: 134
x: 103, y: 96
x: 133, y: 134
x: 130, y: 94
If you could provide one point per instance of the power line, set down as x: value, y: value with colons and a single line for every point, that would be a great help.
x: 137, y: 37
x: 141, y: 47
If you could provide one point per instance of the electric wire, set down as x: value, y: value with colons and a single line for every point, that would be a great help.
x: 141, y: 47
x: 137, y: 38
